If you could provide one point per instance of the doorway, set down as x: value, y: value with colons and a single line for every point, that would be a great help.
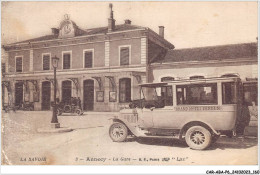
x: 18, y: 93
x: 46, y: 95
x: 66, y: 91
x: 88, y: 95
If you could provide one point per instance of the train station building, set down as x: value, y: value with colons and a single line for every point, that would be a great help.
x: 101, y: 66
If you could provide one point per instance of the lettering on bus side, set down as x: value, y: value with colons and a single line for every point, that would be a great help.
x: 197, y: 108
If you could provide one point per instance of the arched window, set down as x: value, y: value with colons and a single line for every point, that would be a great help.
x: 124, y: 90
x: 163, y: 79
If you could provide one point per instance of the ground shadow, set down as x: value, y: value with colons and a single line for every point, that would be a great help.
x: 234, y: 143
x: 158, y: 141
x: 88, y: 127
x: 222, y: 143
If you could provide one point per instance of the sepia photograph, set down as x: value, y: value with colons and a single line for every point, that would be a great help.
x: 129, y: 83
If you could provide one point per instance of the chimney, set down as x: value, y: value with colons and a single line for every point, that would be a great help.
x: 55, y: 31
x: 127, y: 21
x: 161, y: 31
x: 111, y: 21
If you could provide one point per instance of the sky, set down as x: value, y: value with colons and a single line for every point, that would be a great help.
x: 187, y: 24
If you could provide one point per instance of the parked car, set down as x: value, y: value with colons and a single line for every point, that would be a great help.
x: 71, y: 106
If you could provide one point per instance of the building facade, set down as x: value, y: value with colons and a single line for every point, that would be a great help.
x: 101, y: 66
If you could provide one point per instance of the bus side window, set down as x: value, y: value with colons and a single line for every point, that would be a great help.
x: 181, y: 94
x: 197, y: 94
x: 229, y: 93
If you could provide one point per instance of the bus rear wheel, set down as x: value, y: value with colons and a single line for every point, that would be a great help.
x: 198, y: 137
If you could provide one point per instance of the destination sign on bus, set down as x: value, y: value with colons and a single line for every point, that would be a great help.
x: 197, y: 108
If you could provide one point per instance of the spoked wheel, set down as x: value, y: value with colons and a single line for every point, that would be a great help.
x: 79, y: 112
x: 67, y: 108
x: 118, y: 132
x: 198, y: 138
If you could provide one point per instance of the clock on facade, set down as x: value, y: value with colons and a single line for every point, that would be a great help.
x: 67, y: 29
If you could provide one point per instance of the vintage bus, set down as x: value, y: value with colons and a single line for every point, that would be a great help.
x: 198, y: 110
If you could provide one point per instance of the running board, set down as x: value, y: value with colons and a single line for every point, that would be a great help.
x: 167, y: 137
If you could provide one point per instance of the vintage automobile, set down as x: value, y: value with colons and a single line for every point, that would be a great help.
x: 26, y: 106
x: 195, y: 110
x: 8, y: 107
x: 71, y: 106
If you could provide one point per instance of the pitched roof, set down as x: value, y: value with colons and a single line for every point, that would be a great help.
x: 222, y: 52
x: 93, y: 31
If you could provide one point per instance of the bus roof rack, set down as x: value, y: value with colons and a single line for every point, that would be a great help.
x: 196, y: 77
x: 230, y: 75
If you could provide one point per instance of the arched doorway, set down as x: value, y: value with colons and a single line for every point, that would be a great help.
x: 18, y: 93
x: 88, y: 95
x: 66, y: 91
x: 46, y: 95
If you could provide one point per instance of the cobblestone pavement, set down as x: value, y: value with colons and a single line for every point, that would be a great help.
x: 89, y: 143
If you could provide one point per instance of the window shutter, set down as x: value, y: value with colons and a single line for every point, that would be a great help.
x: 3, y: 68
x: 124, y: 56
x: 88, y: 59
x: 66, y: 61
x: 122, y: 90
x: 19, y: 64
x: 46, y: 62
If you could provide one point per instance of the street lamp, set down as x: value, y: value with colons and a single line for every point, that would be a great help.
x: 54, y: 120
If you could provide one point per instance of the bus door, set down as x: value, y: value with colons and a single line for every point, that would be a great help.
x: 163, y: 116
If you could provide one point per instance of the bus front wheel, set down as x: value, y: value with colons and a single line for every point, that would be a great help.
x: 118, y: 132
x: 198, y: 137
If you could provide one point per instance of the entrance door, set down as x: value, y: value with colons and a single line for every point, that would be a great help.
x: 88, y: 95
x: 66, y: 91
x: 18, y: 93
x: 46, y: 95
x: 3, y: 96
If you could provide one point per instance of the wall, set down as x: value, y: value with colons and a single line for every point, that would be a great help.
x: 77, y: 55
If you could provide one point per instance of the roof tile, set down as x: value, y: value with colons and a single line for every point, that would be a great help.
x: 222, y: 52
